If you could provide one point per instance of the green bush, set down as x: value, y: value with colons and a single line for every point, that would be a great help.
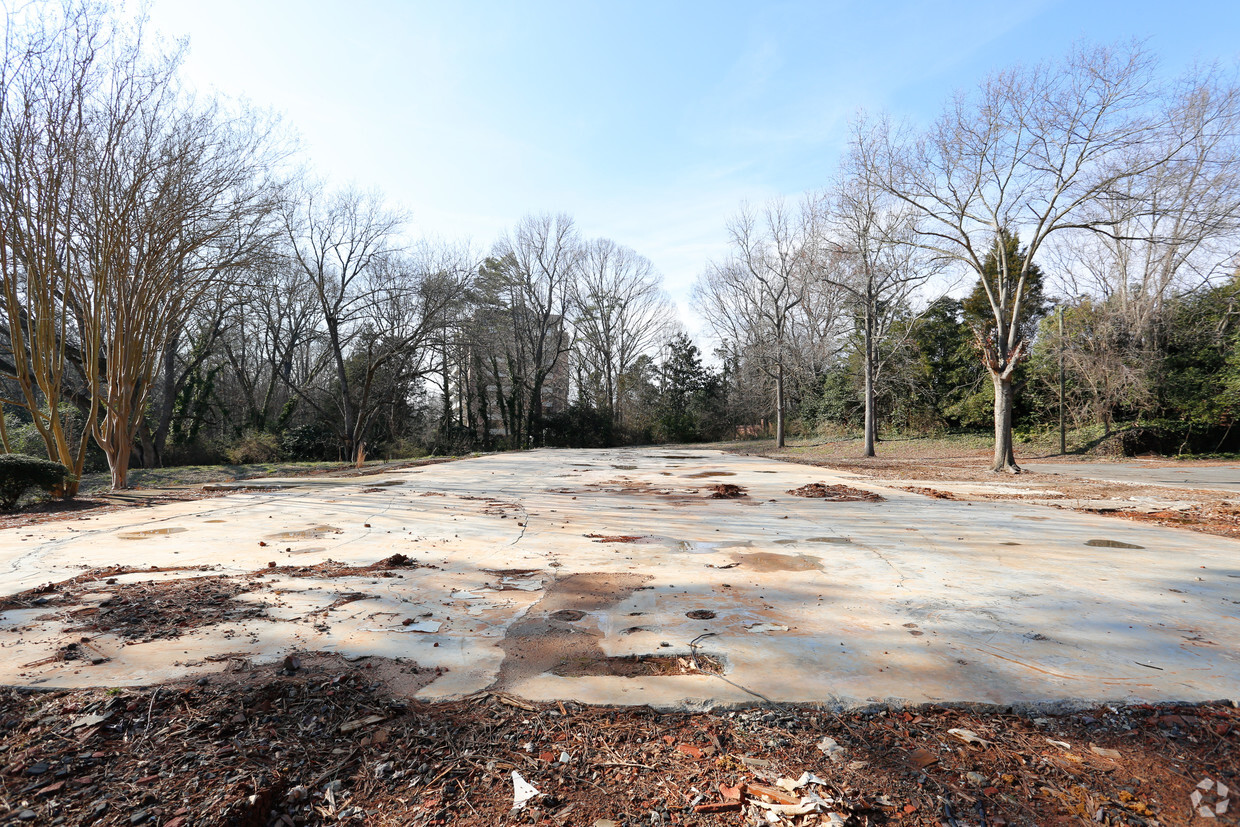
x: 20, y: 473
x: 254, y: 447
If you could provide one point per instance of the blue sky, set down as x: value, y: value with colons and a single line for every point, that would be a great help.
x: 648, y: 122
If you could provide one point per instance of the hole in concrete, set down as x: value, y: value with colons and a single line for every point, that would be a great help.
x: 701, y: 614
x: 703, y: 474
x: 149, y: 532
x: 634, y: 629
x: 638, y: 666
x: 569, y: 615
x: 726, y: 491
x: 916, y: 632
x: 1110, y: 544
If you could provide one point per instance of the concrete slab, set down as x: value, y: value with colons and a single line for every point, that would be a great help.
x: 909, y: 600
x: 1209, y: 477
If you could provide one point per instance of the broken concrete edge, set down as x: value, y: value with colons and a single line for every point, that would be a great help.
x: 702, y: 706
x: 308, y: 478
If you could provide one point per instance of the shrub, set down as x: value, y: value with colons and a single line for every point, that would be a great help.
x: 308, y: 442
x: 254, y: 447
x: 20, y: 473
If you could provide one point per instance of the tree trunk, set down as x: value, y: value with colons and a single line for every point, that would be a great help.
x: 1005, y: 456
x: 779, y: 406
x: 869, y: 385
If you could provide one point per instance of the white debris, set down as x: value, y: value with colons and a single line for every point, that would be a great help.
x: 522, y: 791
x: 831, y: 749
x: 968, y: 736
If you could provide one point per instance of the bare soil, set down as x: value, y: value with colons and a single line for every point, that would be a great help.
x: 319, y: 741
x: 920, y: 466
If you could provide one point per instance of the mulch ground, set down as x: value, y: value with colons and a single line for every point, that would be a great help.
x: 328, y: 744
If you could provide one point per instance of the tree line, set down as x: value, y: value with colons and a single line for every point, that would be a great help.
x: 176, y: 287
x: 1089, y: 186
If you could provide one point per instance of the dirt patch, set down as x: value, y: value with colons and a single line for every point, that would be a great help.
x: 616, y: 538
x: 154, y: 610
x: 541, y: 641
x: 726, y: 491
x: 929, y: 492
x: 1220, y: 517
x: 836, y: 493
x: 638, y: 666
x: 60, y: 593
x: 331, y: 568
x: 770, y: 561
x: 701, y: 614
x: 331, y: 738
x: 1104, y: 543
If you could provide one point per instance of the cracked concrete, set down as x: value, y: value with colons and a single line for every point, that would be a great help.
x: 909, y: 600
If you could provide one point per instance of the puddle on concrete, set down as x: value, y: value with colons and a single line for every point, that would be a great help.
x: 317, y: 532
x: 1110, y: 544
x: 832, y: 540
x: 149, y: 532
x: 703, y: 474
x: 537, y: 644
x: 770, y: 561
x: 638, y: 666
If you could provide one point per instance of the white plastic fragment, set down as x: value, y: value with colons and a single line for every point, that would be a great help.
x: 522, y: 791
x: 1063, y: 744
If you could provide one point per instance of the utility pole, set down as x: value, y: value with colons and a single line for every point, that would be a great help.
x: 1063, y: 438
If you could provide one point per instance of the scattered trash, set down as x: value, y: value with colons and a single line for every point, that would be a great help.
x: 522, y: 791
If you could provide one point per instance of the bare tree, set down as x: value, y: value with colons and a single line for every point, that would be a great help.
x: 527, y: 286
x: 752, y: 300
x: 870, y: 239
x: 377, y: 308
x: 1031, y: 153
x: 620, y: 312
x: 1174, y: 227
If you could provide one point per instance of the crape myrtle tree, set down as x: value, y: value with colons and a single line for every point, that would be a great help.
x: 1032, y: 151
x: 126, y: 201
